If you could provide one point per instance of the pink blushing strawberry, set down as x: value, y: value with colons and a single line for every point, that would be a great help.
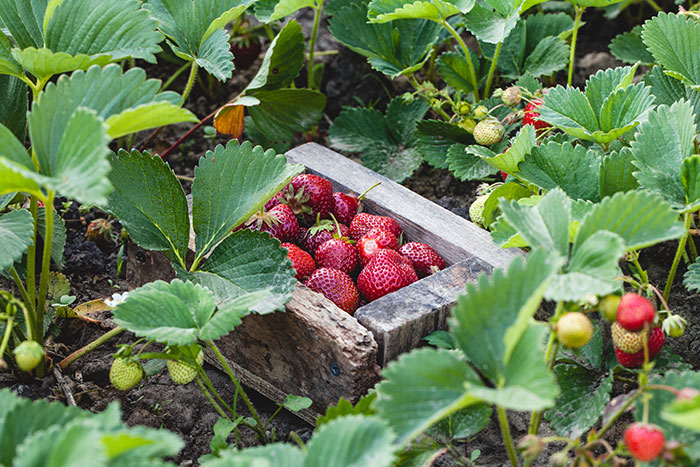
x: 373, y: 241
x: 336, y: 286
x: 634, y: 311
x: 635, y: 360
x: 302, y: 262
x: 363, y: 223
x: 386, y: 272
x: 644, y: 441
x: 425, y: 260
x: 279, y: 221
x: 337, y: 253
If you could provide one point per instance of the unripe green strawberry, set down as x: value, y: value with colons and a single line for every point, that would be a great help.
x: 476, y: 210
x: 481, y: 112
x: 125, y: 373
x: 182, y: 373
x: 28, y: 355
x: 608, y: 307
x: 574, y: 330
x: 627, y: 341
x: 489, y: 131
x: 468, y: 124
x: 464, y: 108
x: 511, y: 96
x: 674, y: 326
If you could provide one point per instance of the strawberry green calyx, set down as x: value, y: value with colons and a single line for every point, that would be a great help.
x: 125, y: 373
x: 489, y: 131
x: 674, y: 325
x: 574, y: 330
x: 28, y: 355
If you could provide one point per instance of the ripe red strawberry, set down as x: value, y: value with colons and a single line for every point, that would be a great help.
x: 302, y: 262
x: 336, y: 286
x: 386, y: 272
x: 532, y: 115
x: 503, y: 175
x: 309, y: 196
x: 634, y: 311
x: 321, y: 232
x: 363, y: 223
x: 100, y: 231
x: 425, y: 260
x: 279, y: 221
x: 635, y: 360
x: 337, y: 253
x: 373, y: 241
x: 346, y: 206
x: 644, y: 441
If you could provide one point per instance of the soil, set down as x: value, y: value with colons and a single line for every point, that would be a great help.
x: 157, y: 402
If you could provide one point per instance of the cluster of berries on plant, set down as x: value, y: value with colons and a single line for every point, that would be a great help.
x: 347, y: 255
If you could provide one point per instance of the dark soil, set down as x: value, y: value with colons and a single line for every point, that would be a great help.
x: 157, y: 402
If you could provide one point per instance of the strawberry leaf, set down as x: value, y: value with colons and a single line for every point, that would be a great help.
x: 572, y: 168
x: 434, y: 138
x: 583, y: 398
x: 217, y: 207
x: 17, y: 231
x: 691, y: 279
x: 283, y: 60
x: 667, y: 37
x: 660, y: 147
x: 493, y: 21
x: 668, y: 90
x: 13, y: 112
x: 511, y: 191
x: 465, y: 165
x: 616, y: 173
x: 685, y: 414
x: 690, y: 178
x: 247, y: 264
x: 454, y: 69
x: 8, y: 65
x: 629, y: 48
x: 393, y: 49
x: 269, y: 11
x: 149, y: 202
x: 488, y: 324
x: 466, y: 422
x: 641, y: 218
x: 285, y: 454
x: 382, y: 11
x: 421, y: 388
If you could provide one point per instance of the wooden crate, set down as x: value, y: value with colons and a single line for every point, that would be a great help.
x: 315, y: 349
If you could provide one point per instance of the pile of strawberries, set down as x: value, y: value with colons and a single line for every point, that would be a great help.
x: 330, y: 244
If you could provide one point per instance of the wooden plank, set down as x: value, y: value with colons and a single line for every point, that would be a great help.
x: 452, y: 236
x: 400, y: 320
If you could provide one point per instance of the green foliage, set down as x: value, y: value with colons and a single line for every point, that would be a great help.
x: 17, y: 231
x: 435, y: 137
x: 691, y: 279
x: 13, y: 112
x: 629, y: 48
x: 394, y: 49
x: 668, y: 91
x: 382, y: 11
x: 387, y: 142
x: 47, y: 43
x: 268, y: 11
x: 667, y: 37
x: 283, y: 60
x: 344, y: 407
x: 492, y: 20
x: 610, y: 106
x: 454, y: 69
x: 41, y: 433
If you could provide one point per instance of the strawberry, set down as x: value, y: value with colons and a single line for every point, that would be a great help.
x: 345, y: 206
x: 336, y: 286
x: 373, y: 241
x: 511, y: 96
x: 644, y: 441
x: 503, y: 175
x: 489, y: 131
x: 634, y: 311
x: 531, y: 116
x: 28, y: 355
x: 481, y: 112
x: 626, y: 341
x: 99, y: 231
x: 574, y: 330
x: 607, y: 307
x: 125, y: 373
x: 674, y: 325
x: 181, y: 372
x: 302, y: 262
x: 321, y: 232
x: 424, y: 259
x: 467, y: 124
x: 363, y: 223
x: 337, y: 253
x: 309, y: 196
x: 280, y: 222
x: 386, y: 272
x: 635, y: 360
x: 476, y: 210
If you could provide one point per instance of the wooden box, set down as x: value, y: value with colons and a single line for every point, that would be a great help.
x: 317, y: 350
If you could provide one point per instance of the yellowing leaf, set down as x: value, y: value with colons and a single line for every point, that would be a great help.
x: 229, y: 120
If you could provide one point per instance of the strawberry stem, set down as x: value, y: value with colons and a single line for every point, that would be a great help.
x: 677, y: 258
x: 362, y: 195
x: 507, y: 438
x: 90, y: 347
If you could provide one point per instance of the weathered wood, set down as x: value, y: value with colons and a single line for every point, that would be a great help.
x: 452, y: 236
x: 314, y: 349
x: 400, y: 320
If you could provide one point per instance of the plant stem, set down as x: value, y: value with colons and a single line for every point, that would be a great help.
x: 507, y: 438
x: 465, y: 49
x: 677, y: 258
x: 205, y: 378
x: 240, y: 390
x: 318, y: 10
x: 190, y: 82
x: 90, y: 347
x: 31, y: 254
x: 492, y: 69
x: 642, y: 273
x: 211, y: 400
x: 174, y: 76
x: 655, y: 6
x: 574, y: 36
x: 614, y: 418
x: 45, y: 264
x: 23, y: 293
x: 8, y: 332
